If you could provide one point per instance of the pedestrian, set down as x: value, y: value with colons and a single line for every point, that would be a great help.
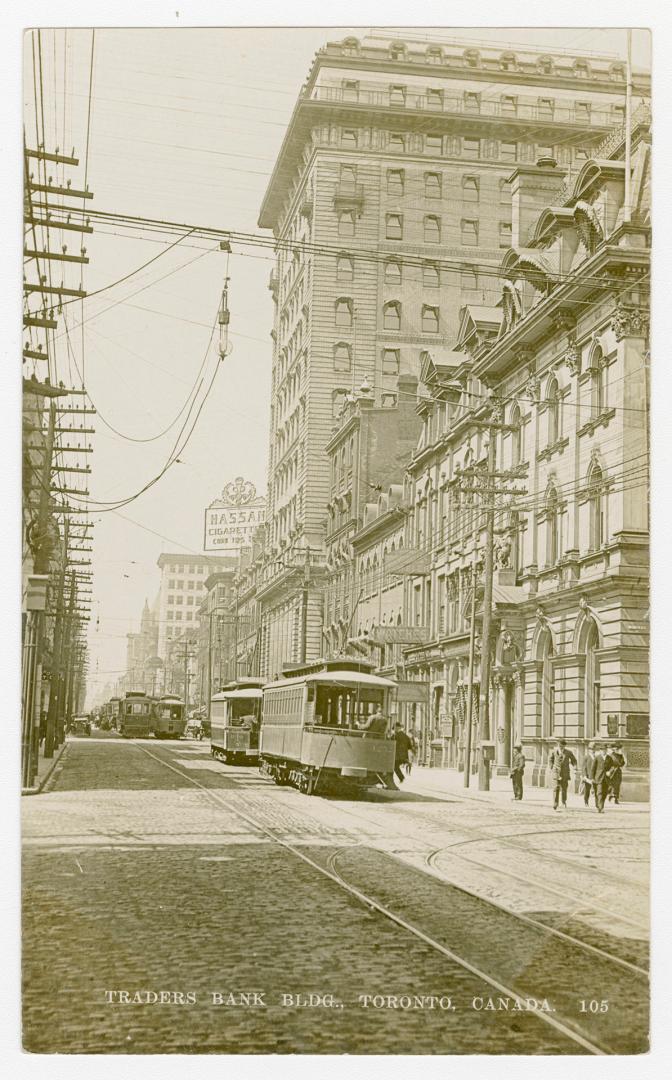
x: 586, y: 779
x: 412, y: 753
x: 615, y: 774
x: 401, y: 749
x: 559, y: 762
x: 601, y: 767
x: 517, y: 771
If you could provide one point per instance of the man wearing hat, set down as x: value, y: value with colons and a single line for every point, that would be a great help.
x: 517, y: 771
x: 601, y: 767
x: 559, y: 762
x: 586, y: 779
x: 615, y: 774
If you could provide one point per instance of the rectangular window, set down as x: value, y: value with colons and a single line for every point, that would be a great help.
x: 508, y: 151
x: 179, y: 599
x: 393, y: 272
x: 545, y: 108
x: 432, y: 185
x: 582, y: 110
x: 397, y: 95
x: 504, y: 234
x: 432, y: 229
x: 171, y: 600
x: 469, y: 230
x: 430, y: 276
x: 508, y: 105
x: 342, y: 357
x: 345, y: 270
x: 346, y: 223
x: 397, y: 143
x: 471, y: 148
x: 178, y: 615
x: 391, y: 361
x: 395, y: 181
x: 434, y: 143
x: 171, y: 616
x: 430, y: 319
x: 472, y: 102
x: 348, y: 174
x: 470, y: 190
x: 190, y: 600
x: 348, y: 137
x: 350, y: 90
x: 435, y: 99
x: 394, y: 226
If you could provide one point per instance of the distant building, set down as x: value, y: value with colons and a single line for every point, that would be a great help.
x: 181, y: 591
x: 389, y: 202
x: 142, y: 669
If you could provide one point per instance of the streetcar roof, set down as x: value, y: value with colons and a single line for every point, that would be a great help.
x: 249, y: 692
x: 334, y: 678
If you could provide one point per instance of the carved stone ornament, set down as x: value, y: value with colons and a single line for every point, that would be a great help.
x: 532, y: 389
x: 502, y: 552
x: 572, y: 357
x: 629, y: 322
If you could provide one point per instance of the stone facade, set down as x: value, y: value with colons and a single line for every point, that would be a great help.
x: 394, y: 166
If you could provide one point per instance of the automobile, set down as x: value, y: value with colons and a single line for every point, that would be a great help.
x: 81, y: 725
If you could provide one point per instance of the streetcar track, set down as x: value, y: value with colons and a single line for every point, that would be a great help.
x: 580, y: 900
x: 564, y: 1027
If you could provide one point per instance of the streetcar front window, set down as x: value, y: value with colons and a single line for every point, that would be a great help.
x: 245, y: 713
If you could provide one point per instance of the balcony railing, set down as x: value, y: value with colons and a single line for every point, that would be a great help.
x: 523, y: 109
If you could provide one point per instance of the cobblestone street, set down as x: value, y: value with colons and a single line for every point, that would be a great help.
x: 151, y: 870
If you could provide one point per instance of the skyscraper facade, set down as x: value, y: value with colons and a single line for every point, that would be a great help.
x: 391, y: 209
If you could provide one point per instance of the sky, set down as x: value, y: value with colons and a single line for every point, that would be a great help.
x: 185, y: 125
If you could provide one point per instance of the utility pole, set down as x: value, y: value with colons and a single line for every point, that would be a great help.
x: 488, y: 571
x: 470, y: 690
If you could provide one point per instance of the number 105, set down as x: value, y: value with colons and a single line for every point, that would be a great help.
x: 593, y: 1006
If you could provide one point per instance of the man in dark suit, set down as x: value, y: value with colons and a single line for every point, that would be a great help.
x: 586, y: 779
x: 517, y: 771
x: 602, y: 763
x: 559, y: 762
x: 616, y: 772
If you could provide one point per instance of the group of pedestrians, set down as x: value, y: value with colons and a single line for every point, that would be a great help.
x: 602, y: 773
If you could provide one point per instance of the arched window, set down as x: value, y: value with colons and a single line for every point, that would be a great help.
x: 545, y: 653
x: 597, y: 508
x: 342, y: 356
x: 516, y: 437
x: 343, y: 312
x: 397, y: 51
x: 552, y: 527
x: 597, y: 389
x: 592, y: 681
x: 516, y: 536
x: 553, y: 405
x: 392, y: 315
x: 581, y: 69
x: 434, y: 54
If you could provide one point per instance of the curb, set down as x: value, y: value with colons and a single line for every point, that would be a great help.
x: 37, y: 788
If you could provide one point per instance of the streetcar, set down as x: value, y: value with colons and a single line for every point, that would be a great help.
x: 110, y: 714
x: 235, y: 717
x: 313, y: 728
x: 168, y: 719
x: 135, y: 715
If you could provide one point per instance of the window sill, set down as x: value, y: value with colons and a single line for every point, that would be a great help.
x: 597, y: 421
x: 553, y: 448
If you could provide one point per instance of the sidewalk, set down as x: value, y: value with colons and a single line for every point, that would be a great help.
x: 45, y: 767
x: 451, y: 782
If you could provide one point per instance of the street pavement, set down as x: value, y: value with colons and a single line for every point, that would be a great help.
x: 139, y: 884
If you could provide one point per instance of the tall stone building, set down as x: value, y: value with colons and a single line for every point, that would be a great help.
x: 556, y: 373
x: 391, y: 210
